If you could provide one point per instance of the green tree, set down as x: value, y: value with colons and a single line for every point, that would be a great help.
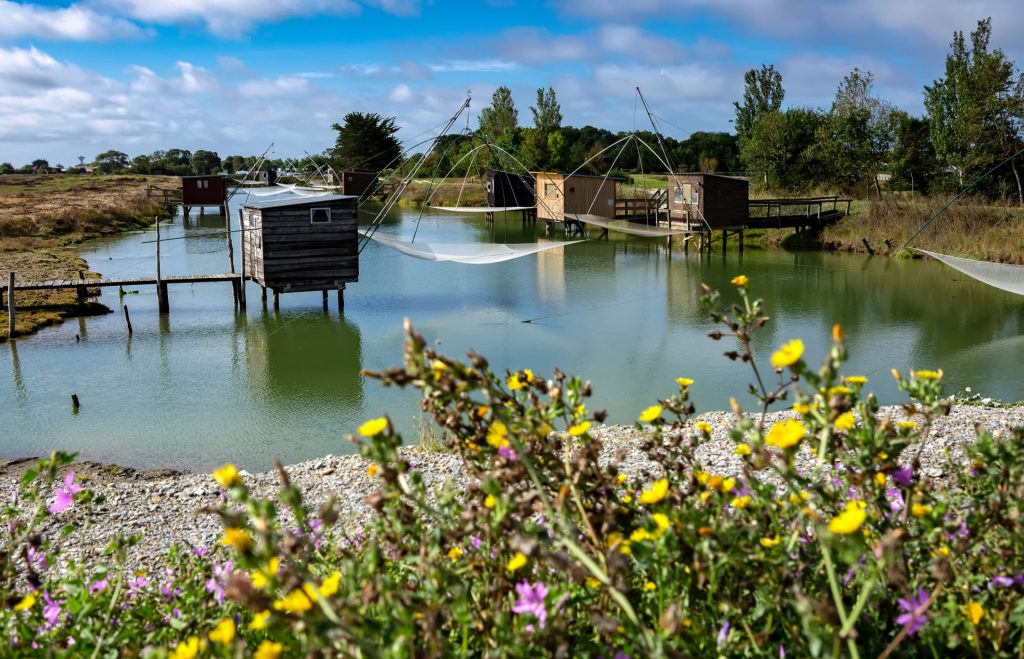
x: 205, y: 162
x: 558, y: 151
x: 178, y: 162
x: 366, y: 140
x: 547, y: 114
x: 912, y: 161
x: 141, y: 164
x: 501, y: 118
x: 780, y: 147
x: 977, y: 108
x: 762, y: 93
x: 6, y: 168
x: 111, y: 161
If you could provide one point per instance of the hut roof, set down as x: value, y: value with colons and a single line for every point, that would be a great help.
x: 306, y: 201
x: 569, y: 175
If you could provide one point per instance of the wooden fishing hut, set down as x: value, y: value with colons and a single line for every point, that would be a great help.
x: 203, y: 192
x: 265, y: 177
x: 559, y: 195
x: 296, y: 245
x: 356, y: 183
x: 506, y: 189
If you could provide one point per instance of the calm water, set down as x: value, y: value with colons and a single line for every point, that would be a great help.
x: 206, y: 385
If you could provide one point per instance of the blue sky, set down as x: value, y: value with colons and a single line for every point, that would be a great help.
x: 77, y: 78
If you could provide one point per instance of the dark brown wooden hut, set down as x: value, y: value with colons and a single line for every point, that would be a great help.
x: 203, y: 191
x: 510, y: 189
x: 354, y: 183
x: 562, y: 194
x: 301, y: 245
x: 720, y: 200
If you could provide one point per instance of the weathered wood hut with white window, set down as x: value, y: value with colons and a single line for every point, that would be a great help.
x: 559, y: 195
x: 719, y: 200
x: 301, y: 244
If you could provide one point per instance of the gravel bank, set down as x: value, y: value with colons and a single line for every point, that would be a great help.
x: 166, y: 507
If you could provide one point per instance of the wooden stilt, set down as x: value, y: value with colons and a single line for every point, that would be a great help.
x: 341, y: 299
x: 263, y: 296
x: 277, y: 300
x: 127, y: 320
x: 325, y: 299
x: 161, y: 288
x: 10, y: 305
x: 741, y: 241
x: 725, y: 240
x: 241, y: 245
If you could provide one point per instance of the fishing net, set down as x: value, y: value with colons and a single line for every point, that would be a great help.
x: 481, y: 209
x: 266, y: 191
x: 624, y: 226
x: 469, y: 253
x: 1005, y: 276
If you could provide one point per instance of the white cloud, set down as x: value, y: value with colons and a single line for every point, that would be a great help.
x: 464, y: 66
x: 636, y: 44
x: 401, y: 94
x: 75, y: 23
x: 281, y: 86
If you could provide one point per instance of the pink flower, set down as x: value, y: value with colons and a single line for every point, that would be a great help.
x: 98, y: 586
x: 36, y: 559
x: 63, y: 496
x: 508, y: 453
x: 51, y: 611
x: 914, y: 616
x: 531, y: 600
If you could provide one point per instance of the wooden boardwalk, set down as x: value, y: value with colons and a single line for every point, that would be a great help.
x: 121, y: 281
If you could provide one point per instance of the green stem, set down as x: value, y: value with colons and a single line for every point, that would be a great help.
x: 837, y: 597
x: 858, y: 606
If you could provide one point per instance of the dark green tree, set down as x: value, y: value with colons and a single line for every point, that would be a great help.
x: 501, y: 118
x: 141, y: 164
x: 205, y: 162
x: 780, y: 148
x: 762, y: 93
x: 547, y: 114
x: 6, y: 168
x: 366, y: 140
x: 178, y: 162
x: 977, y: 108
x: 912, y: 162
x: 111, y: 161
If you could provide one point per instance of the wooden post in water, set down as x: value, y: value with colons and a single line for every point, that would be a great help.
x: 325, y: 299
x: 231, y: 251
x: 10, y: 305
x: 242, y: 246
x: 341, y: 299
x: 74, y: 402
x: 161, y: 288
x: 127, y: 319
x: 741, y: 241
x: 80, y: 289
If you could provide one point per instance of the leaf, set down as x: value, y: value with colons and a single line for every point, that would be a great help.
x: 178, y: 624
x: 28, y: 477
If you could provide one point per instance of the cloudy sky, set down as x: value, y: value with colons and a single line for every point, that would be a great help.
x: 235, y: 75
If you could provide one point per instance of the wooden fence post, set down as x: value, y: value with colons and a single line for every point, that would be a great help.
x: 161, y: 288
x: 10, y: 305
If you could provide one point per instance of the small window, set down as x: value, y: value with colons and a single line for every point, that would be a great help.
x: 572, y: 189
x: 695, y: 197
x: 319, y: 215
x: 679, y: 194
x: 687, y: 192
x: 550, y: 189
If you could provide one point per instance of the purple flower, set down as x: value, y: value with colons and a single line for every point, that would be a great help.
x: 36, y: 559
x: 723, y: 633
x: 200, y: 550
x: 531, y: 600
x: 621, y: 655
x: 895, y: 497
x: 98, y: 586
x: 215, y: 584
x: 903, y: 476
x: 914, y: 617
x: 62, y: 496
x: 853, y: 570
x: 51, y: 610
x: 71, y: 641
x: 782, y: 652
x: 475, y: 541
x: 135, y: 584
x: 1002, y: 581
x: 508, y: 453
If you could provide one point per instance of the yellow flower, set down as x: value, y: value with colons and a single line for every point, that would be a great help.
x: 655, y: 493
x: 801, y: 408
x: 187, y: 649
x: 851, y: 519
x: 739, y: 280
x: 927, y: 375
x: 880, y: 479
x: 490, y: 501
x: 974, y: 612
x: 497, y: 435
x: 261, y: 577
x: 920, y: 510
x: 627, y: 499
x: 613, y: 538
x: 794, y: 499
x: 224, y: 632
x: 906, y: 425
x: 704, y: 496
x: 237, y: 538
x: 704, y: 427
x: 742, y: 449
x: 651, y: 413
x: 715, y: 482
x: 625, y: 549
x: 579, y: 428
x: 329, y: 586
x: 845, y: 421
x: 268, y: 650
x: 741, y: 502
x: 773, y: 541
x: 592, y: 582
x: 438, y: 367
x: 26, y: 603
x: 941, y: 552
x: 620, y: 479
x: 856, y: 379
x: 662, y: 521
x: 788, y: 354
x: 372, y: 470
x: 515, y: 383
x: 640, y: 535
x: 373, y: 427
x: 702, y: 477
x: 227, y: 476
x: 516, y: 562
x: 896, y: 374
x: 260, y: 621
x: 297, y: 601
x: 684, y: 382
x: 839, y: 389
x: 455, y: 553
x: 785, y: 434
x: 650, y: 585
x: 837, y: 333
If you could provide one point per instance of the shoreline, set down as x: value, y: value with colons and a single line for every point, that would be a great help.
x: 166, y: 506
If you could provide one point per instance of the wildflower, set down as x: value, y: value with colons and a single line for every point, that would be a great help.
x: 640, y: 535
x: 224, y: 632
x: 37, y: 559
x: 739, y: 280
x: 516, y: 562
x: 896, y: 374
x: 913, y: 617
x: 919, y: 509
x: 372, y: 470
x: 227, y: 476
x: 26, y: 603
x: 260, y: 621
x: 268, y: 650
x: 837, y: 333
x: 373, y: 427
x: 704, y: 427
x: 531, y: 600
x: 438, y: 367
x: 626, y: 549
x: 851, y: 519
x: 651, y: 413
x: 620, y: 479
x: 650, y: 585
x: 237, y: 538
x: 297, y: 601
x: 579, y: 428
x: 655, y: 493
x: 723, y: 633
x: 329, y: 586
x: 215, y: 584
x: 613, y: 538
x: 788, y: 354
x: 62, y: 496
x: 941, y: 552
x: 844, y: 421
x: 684, y: 382
x: 187, y: 649
x: 98, y: 586
x: 880, y: 479
x: 801, y: 408
x: 855, y: 379
x: 906, y: 425
x: 785, y: 434
x: 508, y: 453
x: 490, y: 501
x: 455, y: 553
x: 927, y: 375
x: 515, y: 383
x: 592, y: 582
x: 136, y: 584
x: 742, y: 449
x: 773, y: 541
x: 627, y: 499
x: 262, y: 576
x: 51, y: 610
x: 662, y: 522
x: 497, y: 434
x: 903, y: 476
x: 740, y: 503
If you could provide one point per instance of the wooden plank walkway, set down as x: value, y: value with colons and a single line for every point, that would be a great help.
x: 120, y: 281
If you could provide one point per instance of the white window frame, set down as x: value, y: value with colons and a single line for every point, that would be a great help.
x: 312, y: 214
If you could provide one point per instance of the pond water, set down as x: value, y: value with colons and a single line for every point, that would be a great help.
x: 206, y: 384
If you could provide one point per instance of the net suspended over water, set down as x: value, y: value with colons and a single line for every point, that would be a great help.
x: 625, y: 226
x: 1005, y: 276
x: 481, y: 209
x: 470, y: 253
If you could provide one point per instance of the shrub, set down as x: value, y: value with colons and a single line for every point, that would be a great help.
x: 550, y: 551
